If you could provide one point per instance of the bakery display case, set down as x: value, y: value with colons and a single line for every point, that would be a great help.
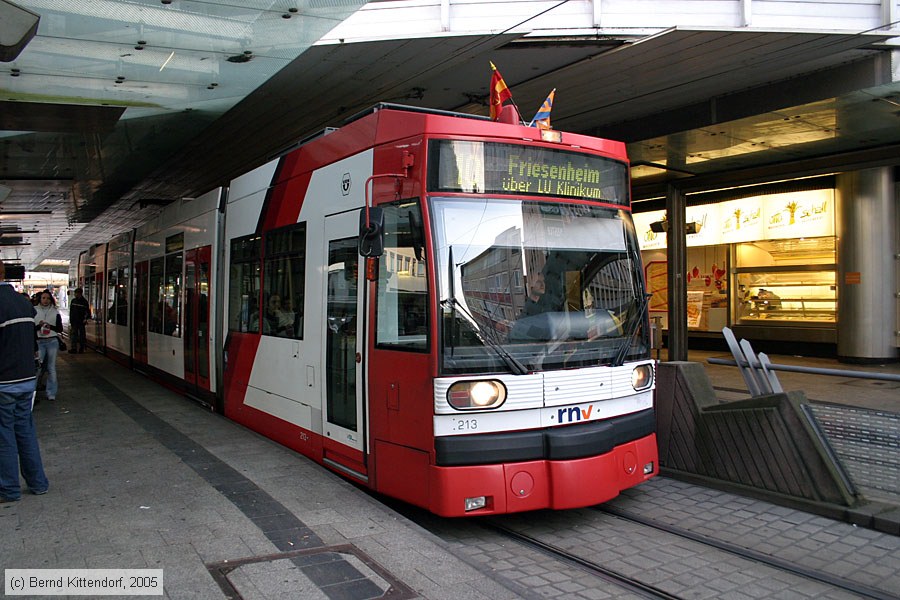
x: 807, y: 295
x: 787, y: 283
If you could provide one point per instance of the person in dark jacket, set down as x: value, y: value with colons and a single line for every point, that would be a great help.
x: 19, y: 450
x: 79, y: 312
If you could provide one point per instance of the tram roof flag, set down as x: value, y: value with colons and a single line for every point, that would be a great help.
x: 499, y: 93
x: 541, y: 119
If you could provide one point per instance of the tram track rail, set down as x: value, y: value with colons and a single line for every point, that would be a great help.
x: 842, y: 583
x: 626, y: 582
x: 555, y: 547
x: 491, y: 525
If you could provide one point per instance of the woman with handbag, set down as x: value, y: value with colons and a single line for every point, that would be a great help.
x: 48, y: 323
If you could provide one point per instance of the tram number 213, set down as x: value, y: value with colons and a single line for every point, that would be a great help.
x: 465, y: 425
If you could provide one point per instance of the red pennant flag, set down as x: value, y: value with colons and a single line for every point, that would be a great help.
x: 499, y: 93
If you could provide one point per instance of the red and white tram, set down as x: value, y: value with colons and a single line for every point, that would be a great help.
x: 448, y: 310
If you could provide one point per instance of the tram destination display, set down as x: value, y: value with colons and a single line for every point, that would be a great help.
x: 494, y: 168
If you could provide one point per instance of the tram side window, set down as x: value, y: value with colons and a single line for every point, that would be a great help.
x: 122, y: 296
x: 402, y: 300
x: 156, y: 296
x: 243, y: 286
x: 88, y: 284
x: 284, y: 281
x: 172, y: 295
x: 111, y: 296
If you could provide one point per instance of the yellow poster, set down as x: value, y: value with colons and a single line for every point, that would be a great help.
x: 694, y: 308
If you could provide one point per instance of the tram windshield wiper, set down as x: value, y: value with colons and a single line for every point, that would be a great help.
x: 515, y: 367
x: 635, y: 324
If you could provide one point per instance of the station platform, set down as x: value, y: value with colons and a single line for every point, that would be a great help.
x: 142, y: 478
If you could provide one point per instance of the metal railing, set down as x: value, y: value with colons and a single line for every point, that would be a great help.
x: 759, y: 372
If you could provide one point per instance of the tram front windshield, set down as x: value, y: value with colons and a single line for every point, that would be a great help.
x: 531, y: 286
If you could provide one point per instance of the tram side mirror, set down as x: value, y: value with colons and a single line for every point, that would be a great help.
x: 417, y: 234
x: 15, y: 272
x: 371, y: 232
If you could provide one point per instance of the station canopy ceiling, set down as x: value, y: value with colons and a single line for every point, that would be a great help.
x: 118, y: 107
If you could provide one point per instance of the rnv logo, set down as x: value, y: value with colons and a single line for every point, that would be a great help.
x: 571, y: 415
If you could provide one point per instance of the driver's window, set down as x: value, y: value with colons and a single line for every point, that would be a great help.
x: 402, y: 298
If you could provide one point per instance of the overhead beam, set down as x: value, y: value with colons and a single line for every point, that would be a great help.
x: 882, y: 156
x: 58, y: 118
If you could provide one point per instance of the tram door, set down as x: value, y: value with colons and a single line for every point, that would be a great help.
x: 141, y: 291
x: 343, y: 415
x: 196, y: 318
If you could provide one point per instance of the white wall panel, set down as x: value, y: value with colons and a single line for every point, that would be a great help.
x: 401, y: 19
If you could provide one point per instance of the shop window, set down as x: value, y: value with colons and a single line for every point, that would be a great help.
x: 401, y: 303
x: 243, y: 287
x: 707, y: 286
x: 790, y: 281
x: 284, y: 276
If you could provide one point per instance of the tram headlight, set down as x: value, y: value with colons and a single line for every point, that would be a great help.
x: 642, y: 377
x: 476, y: 395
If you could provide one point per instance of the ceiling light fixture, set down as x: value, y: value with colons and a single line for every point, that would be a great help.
x: 246, y: 56
x: 167, y: 61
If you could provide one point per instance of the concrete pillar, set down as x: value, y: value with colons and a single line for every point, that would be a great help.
x: 867, y: 228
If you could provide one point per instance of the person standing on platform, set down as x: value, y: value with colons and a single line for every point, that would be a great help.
x: 18, y: 439
x: 48, y: 323
x: 79, y: 313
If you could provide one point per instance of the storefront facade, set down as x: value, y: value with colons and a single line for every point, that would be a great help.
x: 768, y: 265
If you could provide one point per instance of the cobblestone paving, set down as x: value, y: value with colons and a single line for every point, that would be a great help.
x: 862, y: 555
x: 546, y: 576
x: 677, y: 565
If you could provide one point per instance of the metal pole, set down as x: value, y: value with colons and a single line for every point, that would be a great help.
x: 811, y: 370
x: 676, y: 255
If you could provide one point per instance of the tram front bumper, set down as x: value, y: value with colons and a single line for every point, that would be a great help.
x: 539, y: 484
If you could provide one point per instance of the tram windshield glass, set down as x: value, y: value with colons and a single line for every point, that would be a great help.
x: 530, y: 286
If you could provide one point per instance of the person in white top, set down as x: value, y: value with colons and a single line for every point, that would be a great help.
x: 48, y: 323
